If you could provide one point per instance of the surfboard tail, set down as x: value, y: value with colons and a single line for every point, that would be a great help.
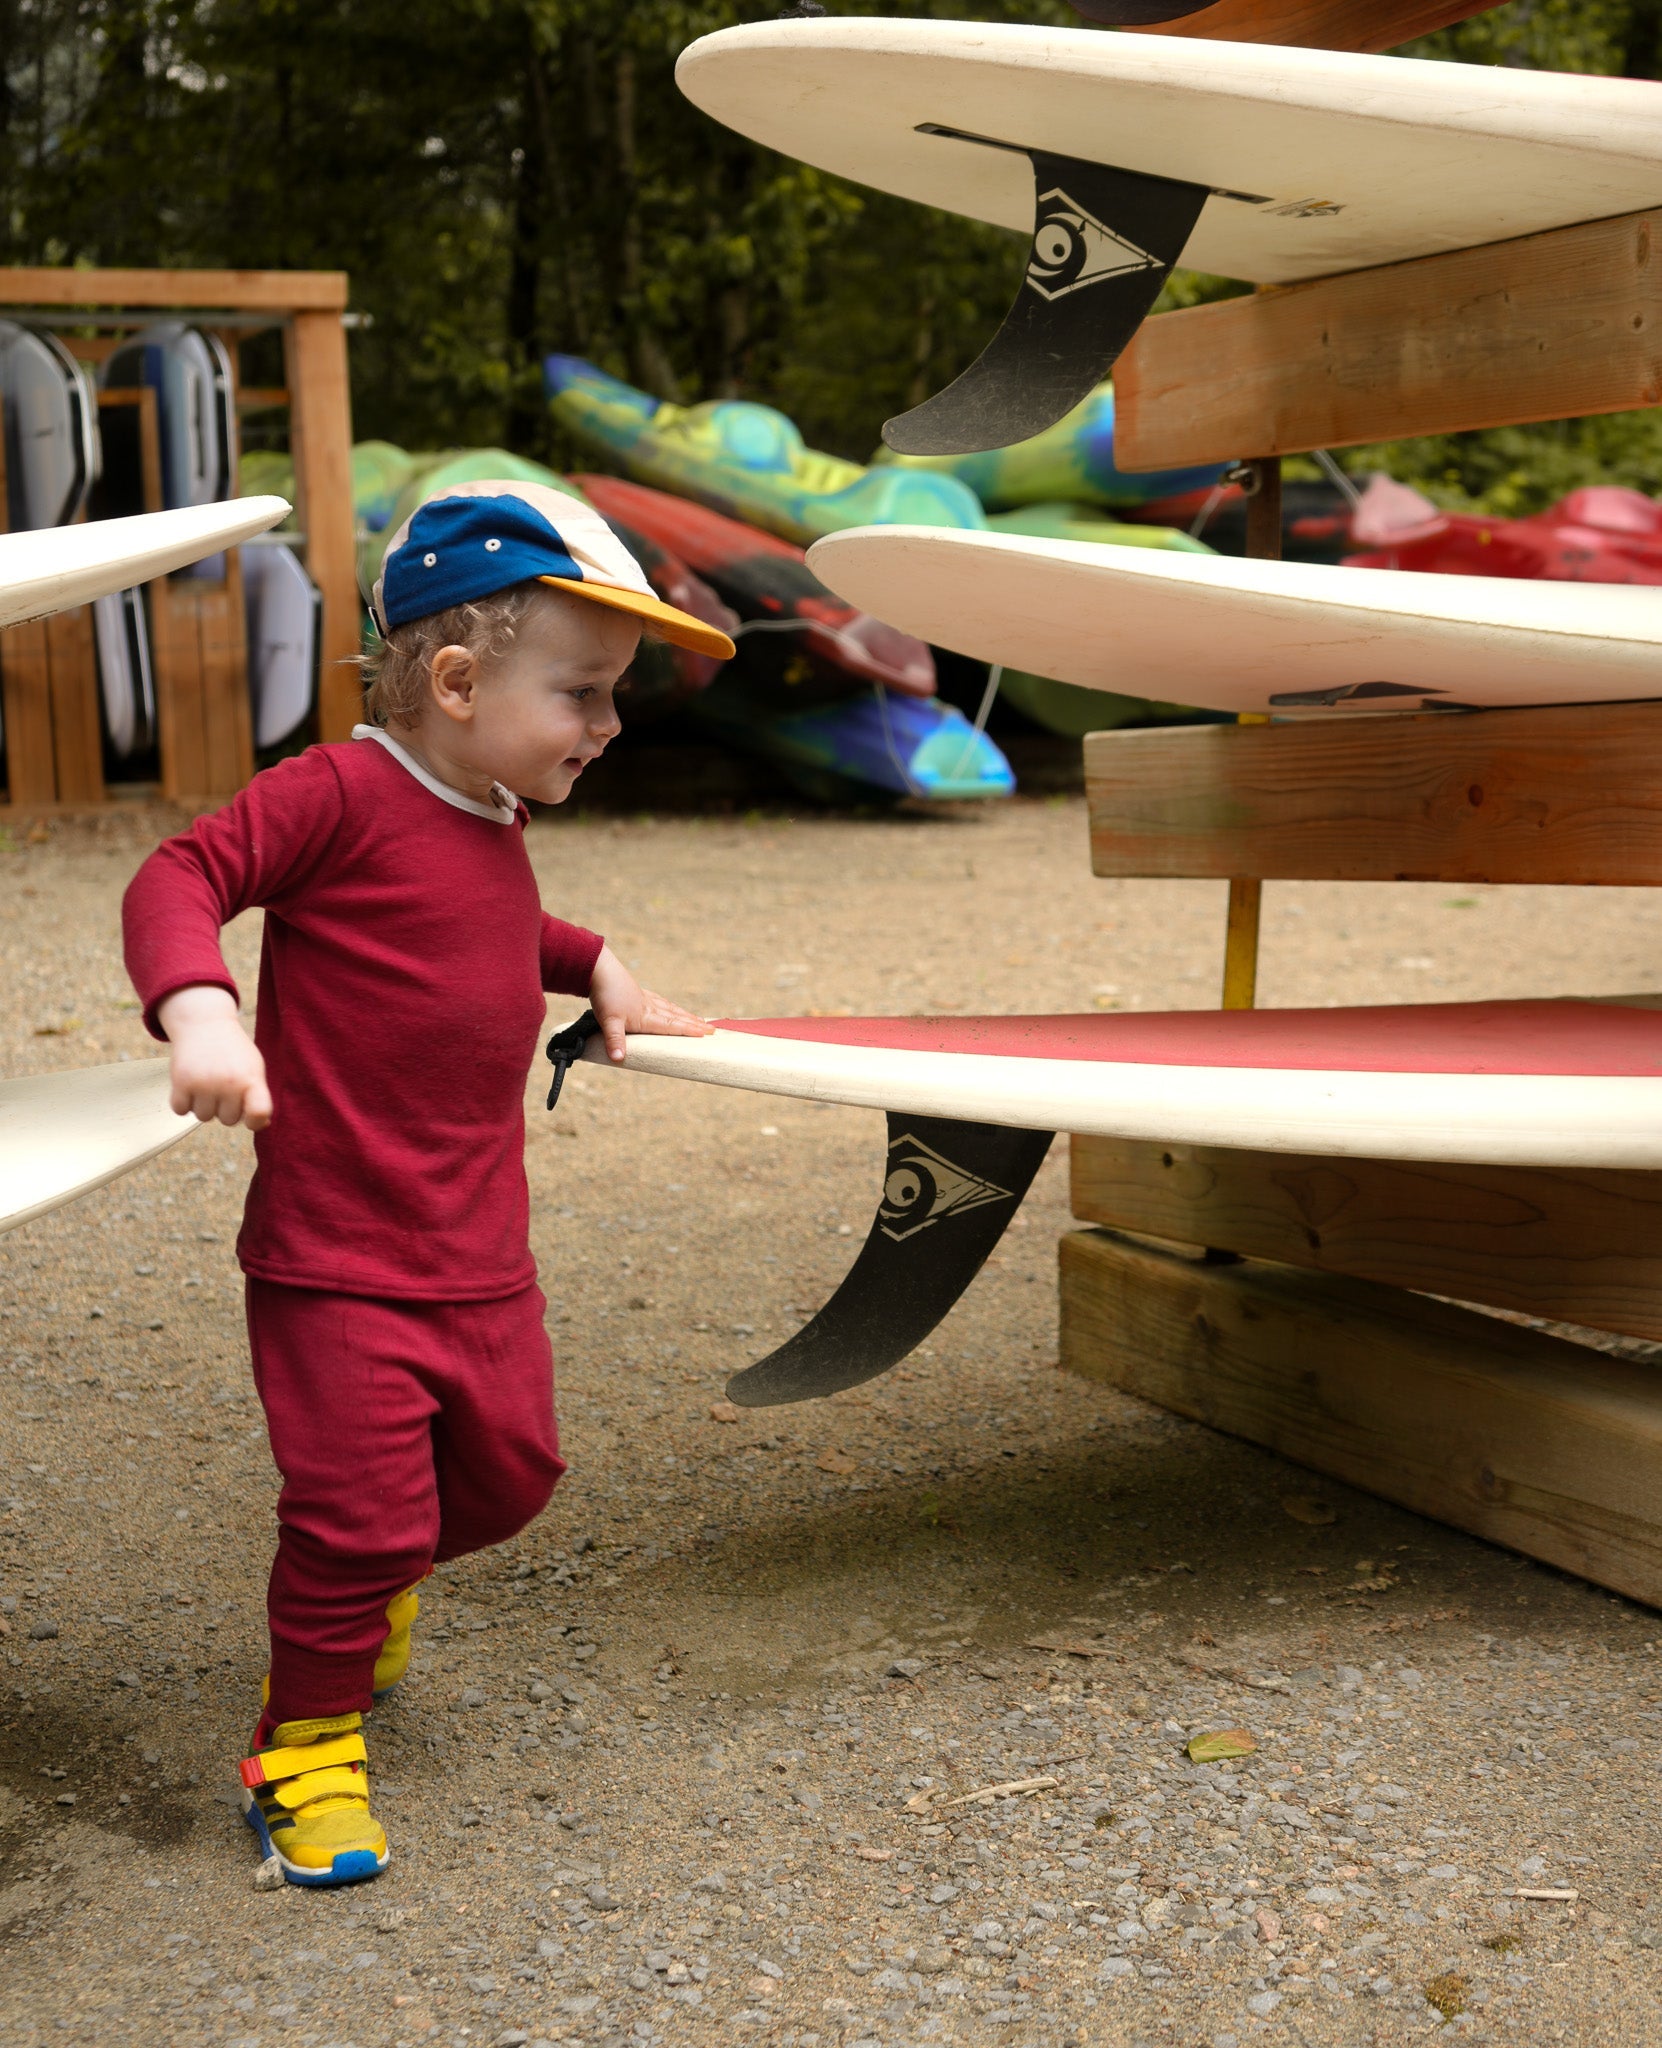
x: 949, y: 1191
x: 1104, y: 242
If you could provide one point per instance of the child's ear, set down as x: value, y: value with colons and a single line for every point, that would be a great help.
x: 450, y: 677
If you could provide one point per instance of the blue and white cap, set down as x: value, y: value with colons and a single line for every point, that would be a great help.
x: 472, y: 540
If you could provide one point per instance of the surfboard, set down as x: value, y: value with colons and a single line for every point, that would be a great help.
x: 284, y: 608
x: 1125, y: 154
x: 973, y: 1102
x: 1542, y: 1083
x: 56, y: 568
x: 1286, y: 638
x: 62, y: 1135
x: 51, y: 429
x: 126, y: 684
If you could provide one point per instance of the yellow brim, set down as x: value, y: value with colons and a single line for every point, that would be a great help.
x: 680, y: 628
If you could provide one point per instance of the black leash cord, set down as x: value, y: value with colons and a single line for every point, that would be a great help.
x: 565, y: 1047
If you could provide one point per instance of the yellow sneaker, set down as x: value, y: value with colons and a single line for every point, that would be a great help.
x: 394, y: 1659
x: 306, y: 1795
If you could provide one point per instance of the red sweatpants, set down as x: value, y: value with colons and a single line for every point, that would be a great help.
x: 406, y: 1432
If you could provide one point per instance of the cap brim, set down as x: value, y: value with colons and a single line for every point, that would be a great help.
x: 680, y: 628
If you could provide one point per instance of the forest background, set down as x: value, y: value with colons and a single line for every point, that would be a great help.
x: 506, y: 177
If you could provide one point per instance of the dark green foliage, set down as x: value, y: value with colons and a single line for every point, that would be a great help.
x: 505, y: 177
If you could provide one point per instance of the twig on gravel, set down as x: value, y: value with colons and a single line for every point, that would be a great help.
x: 1016, y: 1788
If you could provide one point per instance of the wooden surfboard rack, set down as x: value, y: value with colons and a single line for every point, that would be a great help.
x: 48, y: 669
x: 1314, y: 1306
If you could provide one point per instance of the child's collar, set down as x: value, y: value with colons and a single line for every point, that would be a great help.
x: 503, y: 808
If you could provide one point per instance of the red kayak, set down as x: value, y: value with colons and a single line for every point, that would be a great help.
x: 1602, y: 533
x: 661, y: 678
x: 788, y: 619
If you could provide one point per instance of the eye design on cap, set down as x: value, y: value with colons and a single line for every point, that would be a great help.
x: 429, y: 561
x: 492, y: 547
x: 1072, y: 248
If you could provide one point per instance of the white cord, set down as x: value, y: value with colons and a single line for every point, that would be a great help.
x: 1337, y: 476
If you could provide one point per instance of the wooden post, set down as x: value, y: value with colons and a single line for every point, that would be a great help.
x: 320, y: 439
x: 1246, y: 892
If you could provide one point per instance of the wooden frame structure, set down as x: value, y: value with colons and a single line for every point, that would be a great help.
x: 1290, y: 1300
x: 48, y: 670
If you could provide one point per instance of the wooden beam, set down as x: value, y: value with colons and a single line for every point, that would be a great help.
x: 228, y: 291
x: 77, y: 730
x: 1574, y: 1247
x: 1568, y: 794
x: 1546, y: 327
x: 1324, y: 24
x: 1547, y: 1447
x: 26, y: 696
x: 320, y: 439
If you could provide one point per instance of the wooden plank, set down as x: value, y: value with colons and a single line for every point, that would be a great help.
x: 1547, y: 1447
x: 1574, y: 1247
x: 77, y: 732
x: 1546, y: 327
x: 230, y: 291
x: 176, y: 655
x: 227, y: 714
x: 1324, y: 24
x: 26, y: 694
x: 1568, y: 794
x: 320, y: 439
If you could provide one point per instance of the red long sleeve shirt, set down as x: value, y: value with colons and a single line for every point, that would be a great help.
x: 400, y: 1002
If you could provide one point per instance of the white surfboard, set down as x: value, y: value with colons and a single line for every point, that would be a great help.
x: 284, y: 606
x: 51, y: 428
x: 60, y: 567
x: 1287, y: 638
x: 62, y: 1135
x: 126, y: 682
x: 1557, y: 1084
x: 1317, y: 160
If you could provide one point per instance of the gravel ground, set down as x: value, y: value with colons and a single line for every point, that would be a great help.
x: 691, y: 1760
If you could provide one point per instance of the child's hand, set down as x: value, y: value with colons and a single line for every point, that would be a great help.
x: 217, y: 1070
x: 620, y: 1004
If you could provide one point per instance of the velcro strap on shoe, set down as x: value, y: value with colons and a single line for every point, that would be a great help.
x: 274, y: 1764
x: 311, y: 1786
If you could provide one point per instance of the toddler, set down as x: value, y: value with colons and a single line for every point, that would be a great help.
x: 394, y: 1320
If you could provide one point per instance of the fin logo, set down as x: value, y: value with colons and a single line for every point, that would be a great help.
x: 923, y: 1187
x: 1072, y: 248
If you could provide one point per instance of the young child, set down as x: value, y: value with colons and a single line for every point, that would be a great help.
x: 394, y: 1320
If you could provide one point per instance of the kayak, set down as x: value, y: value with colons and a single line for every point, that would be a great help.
x: 1058, y: 520
x: 798, y: 643
x: 872, y: 748
x: 661, y: 678
x: 746, y: 460
x: 1072, y: 461
x: 379, y: 473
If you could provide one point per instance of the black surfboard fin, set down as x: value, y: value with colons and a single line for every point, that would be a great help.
x: 1138, y: 13
x: 949, y: 1190
x: 1104, y: 242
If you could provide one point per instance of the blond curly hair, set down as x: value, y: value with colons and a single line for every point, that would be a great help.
x: 396, y: 669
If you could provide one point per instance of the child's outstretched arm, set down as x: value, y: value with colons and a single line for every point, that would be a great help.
x: 621, y: 1005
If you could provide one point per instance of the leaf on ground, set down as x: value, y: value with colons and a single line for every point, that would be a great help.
x: 1220, y: 1747
x: 1070, y: 1646
x: 837, y: 1461
x: 1309, y: 1509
